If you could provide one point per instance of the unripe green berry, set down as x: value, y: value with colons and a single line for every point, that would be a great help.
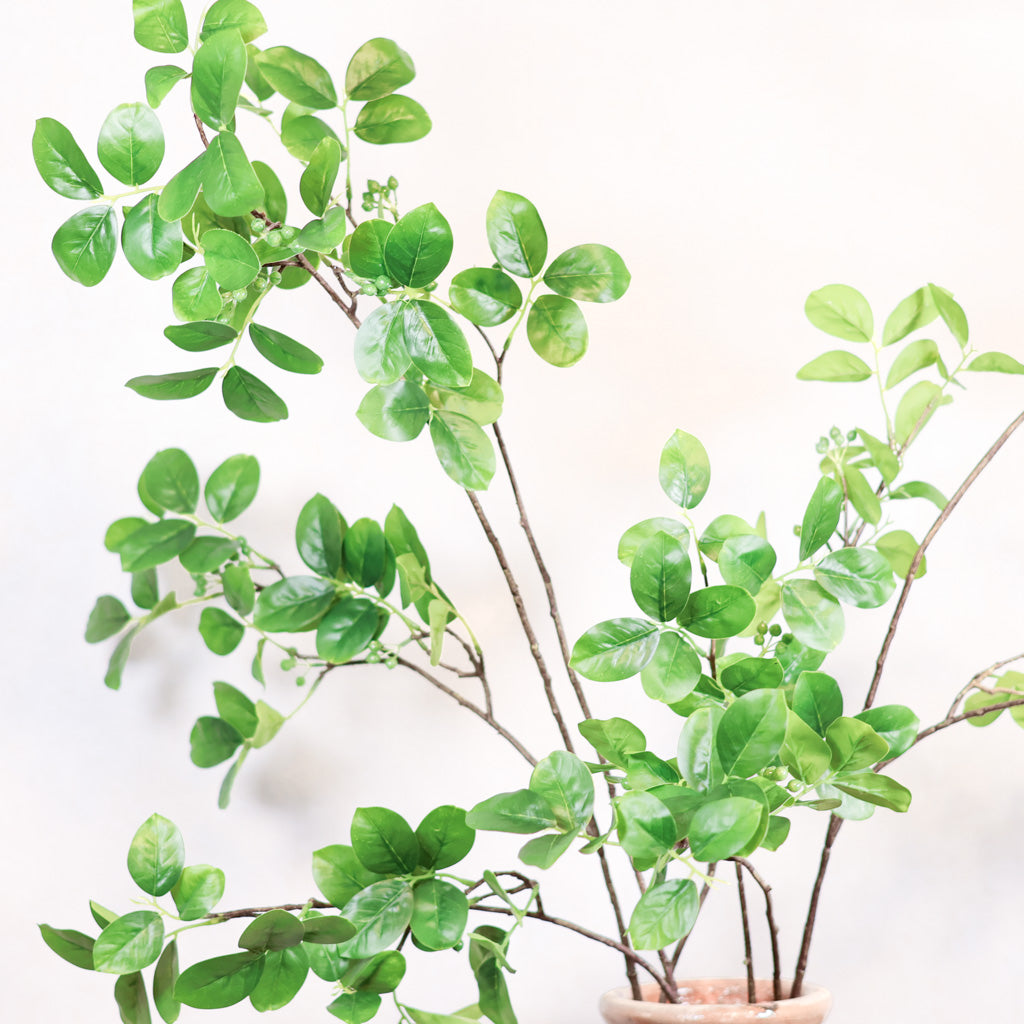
x: 794, y: 786
x: 373, y: 186
x: 775, y: 629
x: 822, y: 446
x: 274, y: 236
x: 851, y: 435
x: 288, y: 232
x: 382, y: 283
x: 367, y: 205
x: 392, y: 183
x: 836, y: 434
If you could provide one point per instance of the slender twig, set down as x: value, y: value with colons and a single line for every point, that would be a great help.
x: 620, y: 921
x: 977, y: 679
x: 349, y: 311
x: 748, y: 956
x: 228, y: 915
x: 494, y: 352
x: 705, y: 889
x: 773, y: 928
x: 834, y: 825
x: 469, y: 706
x: 929, y: 537
x: 524, y: 619
x: 1016, y: 702
x: 202, y: 132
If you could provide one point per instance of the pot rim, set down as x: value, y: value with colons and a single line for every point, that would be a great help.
x: 812, y: 995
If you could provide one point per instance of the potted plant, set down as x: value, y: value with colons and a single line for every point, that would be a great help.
x: 722, y: 636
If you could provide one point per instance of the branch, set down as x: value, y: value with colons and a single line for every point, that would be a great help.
x: 620, y: 922
x: 773, y: 928
x: 227, y: 915
x: 834, y: 825
x: 202, y: 132
x: 748, y: 957
x: 349, y: 311
x: 929, y: 537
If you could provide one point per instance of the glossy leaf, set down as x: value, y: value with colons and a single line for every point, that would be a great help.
x: 722, y: 828
x: 221, y: 632
x: 463, y: 449
x: 481, y: 400
x: 747, y: 562
x: 179, y: 194
x: 841, y: 311
x: 520, y: 812
x: 615, y: 649
x: 395, y: 412
x: 419, y: 247
x: 381, y: 912
x: 673, y: 672
x: 516, y: 234
x: 751, y: 732
x: 164, y: 979
x: 84, y: 245
x: 665, y: 913
x: 444, y: 837
x: 613, y: 738
x: 271, y: 932
x: 301, y: 136
x: 915, y: 311
x: 250, y: 399
x: 861, y: 577
x: 896, y: 724
x: 719, y: 530
x: 484, y: 295
x: 364, y: 552
x: 230, y: 259
x: 218, y: 72
x: 293, y: 604
x: 339, y: 874
x: 131, y: 143
x: 376, y: 69
x: 564, y: 782
x: 194, y: 295
x: 631, y: 540
x: 875, y: 789
x: 804, y: 752
x: 854, y: 745
x: 197, y: 891
x: 837, y: 366
x: 297, y: 77
x: 155, y: 544
x: 160, y: 25
x: 439, y: 914
x: 319, y: 534
x: 718, y: 612
x: 645, y: 827
x: 818, y: 700
x: 231, y: 185
x: 813, y: 615
x: 152, y: 247
x: 231, y: 487
x: 392, y: 119
x: 697, y: 753
x: 366, y: 249
x: 61, y: 163
x: 222, y: 981
x: 346, y: 629
x: 557, y: 330
x: 660, y: 577
x: 326, y: 234
x: 171, y: 481
x: 684, y: 470
x: 380, y: 351
x: 130, y: 943
x: 284, y: 973
x: 821, y: 517
x: 588, y: 273
x: 283, y: 351
x: 316, y: 184
x: 233, y: 14
x: 212, y: 741
x: 355, y: 1007
x: 107, y: 618
x: 156, y: 856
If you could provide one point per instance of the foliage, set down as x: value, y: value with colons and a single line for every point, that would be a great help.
x: 722, y: 636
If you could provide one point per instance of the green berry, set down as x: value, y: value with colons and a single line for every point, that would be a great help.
x: 382, y: 283
x: 836, y: 434
x: 368, y: 205
x: 775, y: 629
x: 288, y: 232
x: 274, y: 236
x: 794, y: 786
x: 822, y: 446
x: 373, y: 186
x: 851, y: 435
x: 392, y: 183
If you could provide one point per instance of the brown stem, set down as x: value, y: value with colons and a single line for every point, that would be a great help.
x: 202, y: 132
x: 469, y: 706
x: 524, y: 619
x: 773, y: 928
x: 705, y: 889
x: 620, y: 923
x: 228, y: 915
x: 349, y: 311
x: 748, y: 956
x: 498, y: 360
x: 929, y: 537
x: 963, y: 717
x: 834, y: 825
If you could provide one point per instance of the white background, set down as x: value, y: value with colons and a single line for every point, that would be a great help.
x: 738, y: 155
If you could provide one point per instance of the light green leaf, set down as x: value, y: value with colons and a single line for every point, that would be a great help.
x: 212, y: 741
x: 915, y: 311
x: 837, y: 366
x: 516, y: 234
x: 231, y: 487
x: 317, y: 181
x: 107, y: 618
x: 995, y: 362
x: 567, y: 786
x: 953, y: 316
x: 444, y: 837
x: 380, y: 352
x: 84, y: 245
x: 645, y: 827
x: 613, y: 738
x: 198, y: 890
x: 875, y: 789
x: 230, y: 183
x: 463, y: 449
x: 222, y: 981
x: 915, y: 409
x: 170, y: 386
x: 301, y: 136
x: 171, y: 481
x: 439, y: 914
x: 284, y: 973
x: 179, y: 194
x: 590, y: 273
x: 319, y: 534
x: 395, y: 412
x: 813, y: 615
x: 673, y: 672
x: 131, y: 143
x: 854, y: 745
x: 61, y: 163
x: 392, y: 119
x: 521, y: 812
x: 631, y: 540
x: 481, y: 400
x: 817, y: 700
x: 130, y: 943
x: 69, y: 945
x: 376, y: 69
x: 899, y: 549
x: 821, y: 518
x: 151, y: 245
x: 326, y: 234
x: 747, y: 562
x: 860, y: 577
x: 297, y: 77
x: 557, y: 330
x: 381, y: 912
x: 229, y: 258
x: 684, y: 470
x: 722, y: 828
x: 218, y: 71
x: 718, y: 612
x: 160, y: 25
x: 883, y: 457
x: 861, y: 494
x: 751, y: 732
x: 221, y: 632
x: 339, y: 874
x: 665, y: 914
x: 233, y: 14
x: 271, y: 932
x: 660, y: 576
x: 841, y: 311
x: 485, y: 296
x: 283, y: 351
x: 615, y: 649
x: 913, y: 357
x: 804, y: 752
x: 156, y: 856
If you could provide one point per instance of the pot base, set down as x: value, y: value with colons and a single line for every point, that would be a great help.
x: 716, y: 1001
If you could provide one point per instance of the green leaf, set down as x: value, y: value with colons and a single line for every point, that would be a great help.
x: 107, y: 618
x: 557, y: 330
x: 684, y: 470
x: 896, y: 724
x: 130, y: 943
x: 463, y: 449
x: 722, y: 828
x: 920, y: 489
x: 319, y: 533
x: 862, y: 495
x: 813, y: 615
x: 481, y: 400
x: 590, y: 273
x: 899, y: 548
x: 747, y: 562
x: 222, y: 981
x: 719, y: 530
x: 951, y: 313
x: 635, y: 536
x: 194, y: 295
x: 221, y: 632
x: 297, y: 77
x: 156, y: 856
x: 283, y: 351
x: 218, y: 72
x: 152, y: 247
x: 883, y: 457
x: 230, y: 259
x: 84, y: 245
x: 995, y: 362
x: 381, y: 912
x: 419, y: 247
x: 915, y: 311
x: 818, y: 700
x: 516, y: 234
x: 980, y: 699
x: 380, y: 353
x: 293, y: 604
x: 131, y: 143
x: 271, y: 932
x: 366, y: 250
x: 444, y: 837
x: 275, y: 202
x: 841, y: 311
x: 364, y: 552
x: 876, y: 789
x: 751, y: 732
x: 566, y: 784
x: 543, y: 851
x: 804, y: 752
x: 395, y: 412
x: 913, y: 357
x: 145, y: 588
x: 317, y: 181
x: 382, y: 972
x: 673, y: 672
x: 69, y: 945
x: 860, y: 577
x: 160, y: 25
x: 436, y: 344
x: 660, y: 576
x: 324, y: 931
x: 665, y: 914
x: 521, y: 812
x: 155, y: 543
x: 615, y: 649
x: 718, y: 612
x: 231, y: 487
x: 645, y: 827
x: 355, y: 1007
x: 235, y: 708
x: 697, y: 754
x: 231, y: 185
x: 493, y: 997
x: 164, y: 979
x: 485, y: 296
x: 854, y: 745
x: 324, y: 235
x: 749, y: 674
x: 392, y: 119
x: 171, y: 481
x: 301, y: 136
x: 377, y: 69
x: 212, y: 741
x: 118, y: 660
x: 837, y: 366
x: 198, y: 890
x: 915, y: 409
x: 339, y: 874
x: 439, y: 914
x: 132, y: 1001
x: 284, y: 973
x: 346, y: 629
x: 179, y: 194
x: 613, y: 738
x: 207, y: 554
x: 250, y: 399
x: 233, y: 14
x: 61, y: 163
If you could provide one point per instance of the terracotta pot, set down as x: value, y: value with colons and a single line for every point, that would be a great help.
x: 716, y: 1001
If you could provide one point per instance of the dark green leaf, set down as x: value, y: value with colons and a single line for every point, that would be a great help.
x: 818, y: 700
x: 231, y: 185
x: 233, y: 14
x: 665, y: 914
x: 160, y: 25
x: 218, y: 71
x: 836, y: 366
x: 164, y: 980
x: 444, y: 837
x: 220, y: 632
x: 439, y: 913
x: 107, y: 618
x: 197, y: 891
x: 131, y: 143
x: 364, y: 552
x: 376, y: 69
x: 516, y: 234
x: 718, y: 612
x: 381, y: 912
x: 284, y: 973
x: 232, y: 487
x: 615, y: 649
x: 684, y: 470
x: 915, y: 311
x: 84, y: 245
x: 812, y: 614
x: 292, y: 605
x: 155, y: 544
x: 520, y: 812
x: 463, y: 449
x: 283, y: 351
x: 861, y: 577
x: 222, y: 981
x: 156, y: 855
x: 131, y: 998
x: 69, y: 945
x: 395, y: 412
x: 130, y: 943
x: 212, y: 741
x: 380, y: 352
x: 151, y: 245
x: 250, y: 399
x: 751, y: 732
x: 271, y: 932
x: 339, y: 874
x: 419, y: 247
x: 297, y: 77
x: 346, y: 629
x: 485, y: 296
x: 319, y: 534
x: 841, y: 311
x: 392, y: 119
x: 61, y: 162
x: 316, y: 184
x: 590, y: 273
